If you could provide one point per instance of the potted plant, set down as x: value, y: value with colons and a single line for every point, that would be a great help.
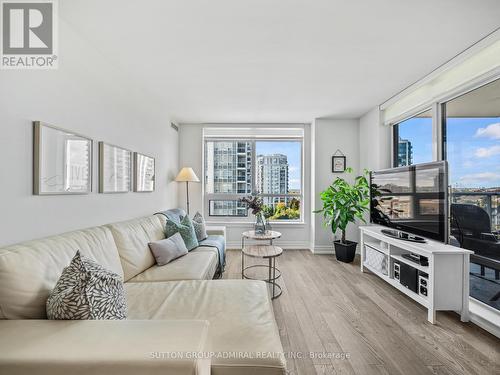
x: 344, y: 203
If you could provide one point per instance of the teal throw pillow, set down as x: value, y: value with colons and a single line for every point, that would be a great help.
x: 186, y: 230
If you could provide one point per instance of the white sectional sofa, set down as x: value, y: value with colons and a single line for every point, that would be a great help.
x: 172, y: 308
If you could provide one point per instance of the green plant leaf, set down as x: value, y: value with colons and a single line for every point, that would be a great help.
x: 344, y: 203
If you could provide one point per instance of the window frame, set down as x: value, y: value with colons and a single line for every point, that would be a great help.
x: 208, y: 197
x: 395, y: 133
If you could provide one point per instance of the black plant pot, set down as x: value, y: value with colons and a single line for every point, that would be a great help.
x: 345, y: 252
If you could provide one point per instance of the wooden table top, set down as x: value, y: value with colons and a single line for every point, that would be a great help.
x: 262, y: 251
x: 269, y: 235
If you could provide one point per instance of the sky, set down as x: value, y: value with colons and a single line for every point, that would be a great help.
x: 292, y: 149
x: 473, y: 148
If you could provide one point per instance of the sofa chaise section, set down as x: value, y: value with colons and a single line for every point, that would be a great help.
x: 244, y: 335
x: 103, y: 347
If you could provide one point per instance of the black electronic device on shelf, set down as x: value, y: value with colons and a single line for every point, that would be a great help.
x: 423, y: 283
x: 418, y: 259
x: 403, y: 236
x: 408, y: 276
x: 397, y: 271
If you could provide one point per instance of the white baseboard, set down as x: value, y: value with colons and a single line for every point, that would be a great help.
x: 293, y: 245
x: 286, y: 245
x: 324, y: 249
x: 328, y: 249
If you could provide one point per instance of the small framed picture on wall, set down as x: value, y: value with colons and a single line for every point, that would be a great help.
x: 144, y: 171
x: 338, y: 163
x: 115, y: 167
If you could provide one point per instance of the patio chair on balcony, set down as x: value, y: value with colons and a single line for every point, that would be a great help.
x: 471, y: 228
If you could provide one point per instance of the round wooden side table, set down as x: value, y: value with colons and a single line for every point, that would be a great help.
x: 265, y: 251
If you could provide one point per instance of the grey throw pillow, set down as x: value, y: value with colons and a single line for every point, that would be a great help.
x: 168, y: 249
x: 86, y: 290
x: 200, y: 227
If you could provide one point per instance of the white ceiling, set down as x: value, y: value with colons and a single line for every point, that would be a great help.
x: 278, y: 60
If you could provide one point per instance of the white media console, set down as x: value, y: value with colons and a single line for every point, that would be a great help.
x: 447, y: 281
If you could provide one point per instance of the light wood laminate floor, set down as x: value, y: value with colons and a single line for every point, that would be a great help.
x: 331, y: 307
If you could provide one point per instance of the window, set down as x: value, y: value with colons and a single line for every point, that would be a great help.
x: 471, y: 144
x: 270, y: 168
x: 278, y: 178
x: 412, y: 140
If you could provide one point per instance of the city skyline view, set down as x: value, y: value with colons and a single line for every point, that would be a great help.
x: 230, y: 170
x: 473, y: 147
x: 292, y: 151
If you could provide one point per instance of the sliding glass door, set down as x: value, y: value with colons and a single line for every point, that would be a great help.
x: 471, y: 144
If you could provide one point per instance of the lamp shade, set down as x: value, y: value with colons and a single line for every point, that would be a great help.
x: 187, y: 175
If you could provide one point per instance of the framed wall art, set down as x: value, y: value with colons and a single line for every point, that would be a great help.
x: 115, y: 169
x: 62, y: 161
x: 338, y: 162
x: 144, y: 173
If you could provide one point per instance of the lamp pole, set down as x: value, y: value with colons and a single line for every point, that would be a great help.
x: 187, y: 196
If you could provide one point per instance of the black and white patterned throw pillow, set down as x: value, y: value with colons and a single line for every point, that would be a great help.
x: 86, y: 290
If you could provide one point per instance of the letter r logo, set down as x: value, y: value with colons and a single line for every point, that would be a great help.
x: 27, y: 28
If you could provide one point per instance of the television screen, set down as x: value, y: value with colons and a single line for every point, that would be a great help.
x: 412, y: 199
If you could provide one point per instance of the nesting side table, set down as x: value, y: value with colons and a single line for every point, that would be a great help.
x: 264, y: 251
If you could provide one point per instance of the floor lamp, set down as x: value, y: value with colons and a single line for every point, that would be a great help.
x: 187, y: 175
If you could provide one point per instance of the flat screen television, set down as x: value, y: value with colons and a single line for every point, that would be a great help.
x: 412, y: 199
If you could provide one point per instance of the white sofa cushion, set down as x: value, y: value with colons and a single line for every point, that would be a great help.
x: 132, y: 238
x: 239, y: 311
x: 30, y: 270
x: 199, y: 264
x: 103, y: 347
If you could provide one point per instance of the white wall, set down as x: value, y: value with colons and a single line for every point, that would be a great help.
x: 295, y: 235
x: 374, y: 142
x: 191, y: 155
x: 330, y: 135
x: 89, y: 96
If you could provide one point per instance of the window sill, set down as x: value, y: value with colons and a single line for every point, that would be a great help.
x: 250, y: 223
x: 484, y: 316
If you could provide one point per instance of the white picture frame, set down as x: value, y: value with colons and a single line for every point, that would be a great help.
x: 144, y: 173
x: 115, y: 169
x: 62, y: 161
